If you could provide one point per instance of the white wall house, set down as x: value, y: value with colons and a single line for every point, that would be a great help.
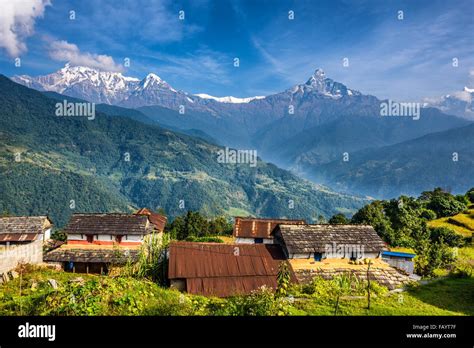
x: 326, y: 241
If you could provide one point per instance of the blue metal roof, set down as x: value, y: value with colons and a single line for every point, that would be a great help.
x: 397, y: 254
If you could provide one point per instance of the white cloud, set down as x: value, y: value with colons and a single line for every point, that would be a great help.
x: 17, y: 21
x: 64, y: 51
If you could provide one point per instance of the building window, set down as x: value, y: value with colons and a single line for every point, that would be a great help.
x: 258, y: 240
x: 318, y: 256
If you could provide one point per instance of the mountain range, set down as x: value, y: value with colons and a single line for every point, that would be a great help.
x: 306, y: 128
x: 459, y: 103
x: 119, y: 161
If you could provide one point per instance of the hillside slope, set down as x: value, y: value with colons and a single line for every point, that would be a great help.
x: 165, y: 169
x: 408, y: 167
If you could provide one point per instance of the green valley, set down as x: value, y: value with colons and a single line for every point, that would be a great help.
x: 60, y: 165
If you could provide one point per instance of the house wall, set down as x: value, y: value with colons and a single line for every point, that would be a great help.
x: 46, y: 235
x: 72, y: 236
x: 400, y: 263
x: 104, y: 239
x: 242, y: 240
x: 11, y: 255
x: 311, y: 255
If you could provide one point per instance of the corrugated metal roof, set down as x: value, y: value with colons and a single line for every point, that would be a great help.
x: 156, y: 219
x: 18, y: 237
x: 398, y: 254
x: 224, y: 269
x: 248, y: 227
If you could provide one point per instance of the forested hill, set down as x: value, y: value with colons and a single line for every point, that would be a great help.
x: 442, y: 159
x: 60, y: 165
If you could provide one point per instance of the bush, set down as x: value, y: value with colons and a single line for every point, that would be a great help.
x: 59, y: 235
x: 470, y: 195
x: 204, y: 239
x: 260, y: 302
x: 446, y: 235
x: 428, y: 214
x: 339, y: 219
x: 445, y: 205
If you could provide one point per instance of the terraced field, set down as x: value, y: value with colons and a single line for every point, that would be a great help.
x: 462, y: 223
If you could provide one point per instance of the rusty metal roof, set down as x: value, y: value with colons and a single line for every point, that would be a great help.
x: 156, y: 219
x: 248, y: 227
x: 18, y: 237
x: 224, y: 269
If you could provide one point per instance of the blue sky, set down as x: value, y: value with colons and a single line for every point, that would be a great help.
x: 400, y: 59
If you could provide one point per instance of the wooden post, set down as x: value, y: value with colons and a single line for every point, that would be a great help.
x: 87, y: 268
x: 368, y: 284
x: 73, y: 269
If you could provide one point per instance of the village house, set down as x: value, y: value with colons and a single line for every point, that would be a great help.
x: 96, y: 241
x: 249, y: 230
x: 215, y: 269
x: 327, y: 241
x: 21, y: 240
x: 328, y: 250
x: 156, y: 219
x: 399, y: 260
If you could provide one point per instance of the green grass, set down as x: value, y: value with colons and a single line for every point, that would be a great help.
x: 232, y: 211
x: 99, y: 295
x: 442, y: 297
x: 466, y: 220
x: 461, y: 223
x: 103, y: 295
x: 467, y: 253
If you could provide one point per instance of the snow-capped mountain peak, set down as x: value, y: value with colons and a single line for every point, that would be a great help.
x: 153, y: 81
x: 229, y: 99
x: 83, y: 82
x: 320, y: 84
x: 152, y: 78
x: 459, y: 103
x: 319, y: 75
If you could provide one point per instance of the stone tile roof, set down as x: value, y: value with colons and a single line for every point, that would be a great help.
x: 23, y: 228
x: 249, y: 227
x: 117, y: 256
x: 388, y: 277
x: 314, y: 238
x: 115, y: 224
